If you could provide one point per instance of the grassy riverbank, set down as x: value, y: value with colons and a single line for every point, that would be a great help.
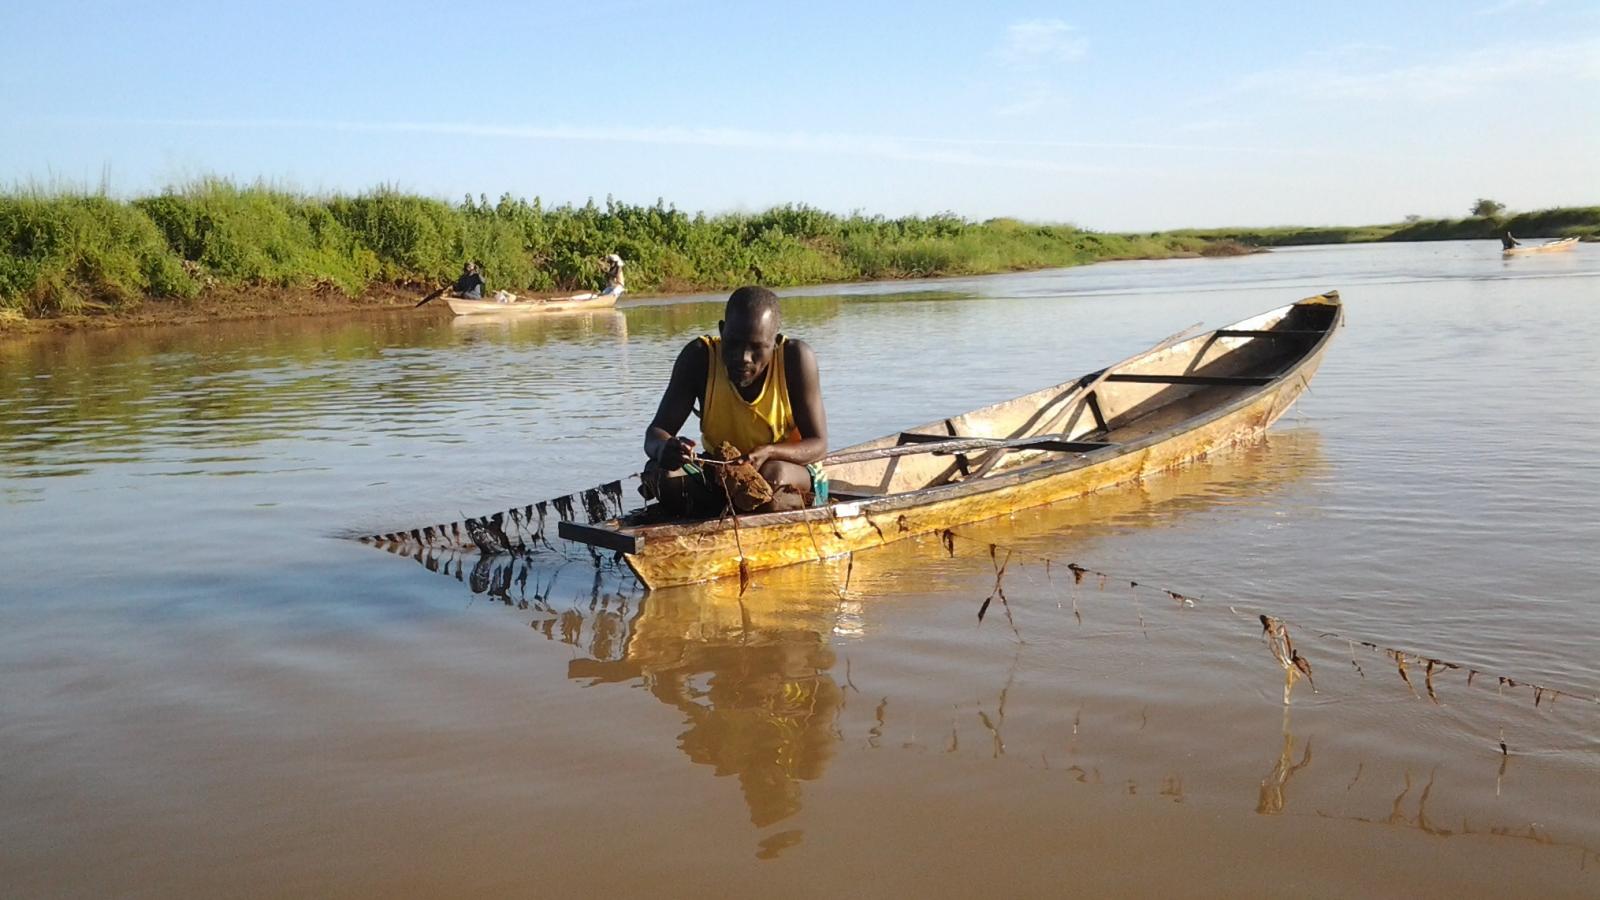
x: 208, y: 244
x: 215, y: 249
x: 1569, y: 221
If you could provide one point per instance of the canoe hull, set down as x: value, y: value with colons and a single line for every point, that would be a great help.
x: 465, y: 307
x: 688, y: 558
x: 667, y: 555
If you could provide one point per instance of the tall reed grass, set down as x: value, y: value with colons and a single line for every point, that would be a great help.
x: 68, y: 251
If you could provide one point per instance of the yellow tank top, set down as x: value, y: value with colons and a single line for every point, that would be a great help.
x: 726, y: 416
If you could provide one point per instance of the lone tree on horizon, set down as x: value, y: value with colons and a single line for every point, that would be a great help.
x: 1488, y: 209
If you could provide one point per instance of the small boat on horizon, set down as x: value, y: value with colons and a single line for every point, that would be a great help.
x: 1551, y: 247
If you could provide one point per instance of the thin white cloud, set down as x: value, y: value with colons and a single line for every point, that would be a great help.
x: 955, y: 152
x: 1505, y: 6
x: 965, y: 151
x: 1032, y: 101
x: 1213, y: 125
x: 1465, y: 76
x: 1030, y: 55
x: 1038, y: 43
x: 1349, y: 53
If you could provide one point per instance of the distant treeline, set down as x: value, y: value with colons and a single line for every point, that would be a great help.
x: 1568, y: 221
x: 66, y: 252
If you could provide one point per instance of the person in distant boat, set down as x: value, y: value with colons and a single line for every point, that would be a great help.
x: 613, y: 276
x: 1507, y: 241
x: 470, y: 284
x: 757, y: 390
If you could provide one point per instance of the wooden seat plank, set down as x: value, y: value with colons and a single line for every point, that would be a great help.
x: 1210, y: 380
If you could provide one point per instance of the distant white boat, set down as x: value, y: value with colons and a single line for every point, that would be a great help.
x: 463, y: 306
x: 1552, y: 247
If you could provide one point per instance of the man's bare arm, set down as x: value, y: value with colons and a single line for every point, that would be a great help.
x: 677, y: 402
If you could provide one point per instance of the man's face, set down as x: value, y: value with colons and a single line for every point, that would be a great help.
x: 748, y: 343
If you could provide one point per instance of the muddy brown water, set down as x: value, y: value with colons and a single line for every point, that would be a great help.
x: 205, y: 690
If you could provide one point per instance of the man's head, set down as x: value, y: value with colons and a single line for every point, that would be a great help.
x: 470, y: 268
x: 749, y: 330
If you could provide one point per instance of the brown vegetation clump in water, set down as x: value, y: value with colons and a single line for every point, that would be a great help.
x: 744, y: 487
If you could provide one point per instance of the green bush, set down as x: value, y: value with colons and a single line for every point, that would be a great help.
x: 259, y: 236
x: 412, y: 237
x: 63, y: 253
x: 1571, y: 221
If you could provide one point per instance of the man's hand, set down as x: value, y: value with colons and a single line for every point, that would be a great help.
x: 759, y: 456
x: 675, y: 452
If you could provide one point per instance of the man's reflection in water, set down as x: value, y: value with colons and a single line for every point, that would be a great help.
x: 749, y: 674
x: 752, y: 683
x: 766, y: 716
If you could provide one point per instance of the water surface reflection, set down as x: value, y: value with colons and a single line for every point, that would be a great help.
x: 752, y: 680
x: 763, y: 680
x: 753, y: 672
x: 205, y: 694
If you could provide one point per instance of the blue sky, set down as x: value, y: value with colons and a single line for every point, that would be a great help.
x: 1111, y: 116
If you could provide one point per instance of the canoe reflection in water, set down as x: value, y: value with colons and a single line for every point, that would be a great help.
x: 755, y: 676
x: 764, y: 686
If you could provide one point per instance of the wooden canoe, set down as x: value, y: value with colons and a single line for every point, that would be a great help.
x: 1158, y: 409
x: 1551, y: 247
x: 462, y: 306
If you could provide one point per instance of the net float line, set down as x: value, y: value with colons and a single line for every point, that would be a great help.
x: 1274, y: 629
x: 518, y: 529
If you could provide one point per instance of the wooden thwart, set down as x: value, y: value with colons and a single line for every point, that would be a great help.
x: 1034, y: 441
x: 1211, y: 380
x: 943, y: 446
x: 1273, y: 333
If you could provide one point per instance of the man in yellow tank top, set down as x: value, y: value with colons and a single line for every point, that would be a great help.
x: 758, y: 391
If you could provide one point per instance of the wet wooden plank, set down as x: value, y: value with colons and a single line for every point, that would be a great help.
x: 1283, y: 332
x: 1205, y: 380
x: 604, y: 538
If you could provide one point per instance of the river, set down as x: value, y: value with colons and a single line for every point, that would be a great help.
x: 205, y: 688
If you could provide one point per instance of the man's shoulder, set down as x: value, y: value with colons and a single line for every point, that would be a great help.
x: 696, y: 354
x: 797, y: 354
x: 796, y: 347
x: 799, y: 362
